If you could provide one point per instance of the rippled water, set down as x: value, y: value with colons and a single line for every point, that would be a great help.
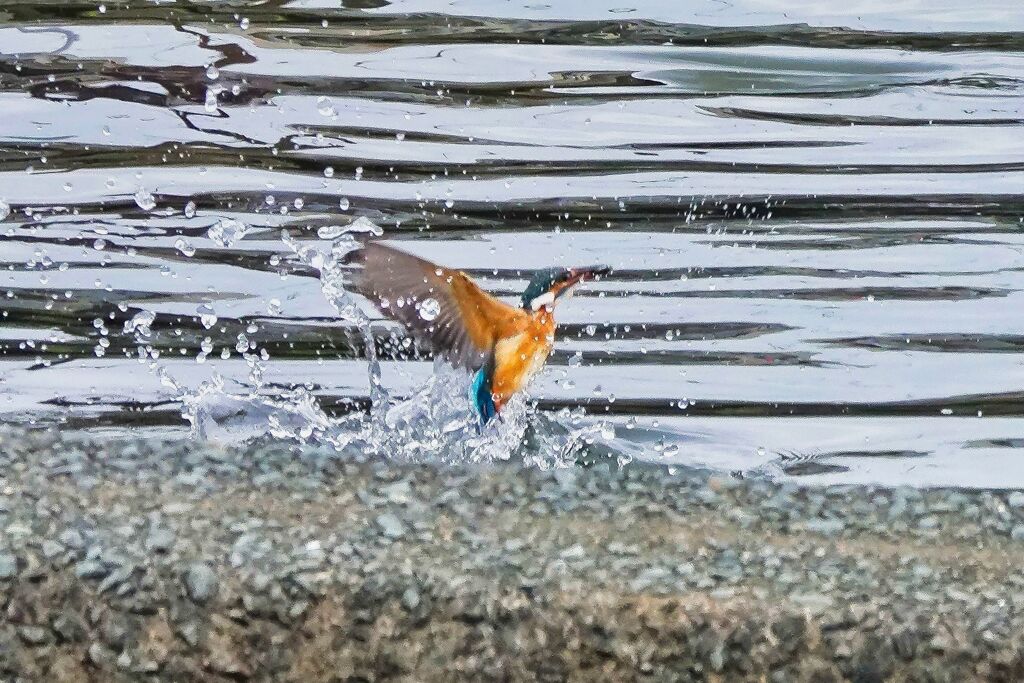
x: 814, y: 212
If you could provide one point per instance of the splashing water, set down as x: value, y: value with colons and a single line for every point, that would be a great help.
x: 332, y: 274
x: 437, y: 423
x: 227, y: 231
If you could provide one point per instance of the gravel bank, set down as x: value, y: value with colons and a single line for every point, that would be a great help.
x: 145, y: 560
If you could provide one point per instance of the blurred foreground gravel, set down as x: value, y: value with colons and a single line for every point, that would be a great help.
x: 147, y: 560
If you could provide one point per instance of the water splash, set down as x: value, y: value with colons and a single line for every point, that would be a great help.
x: 227, y: 231
x: 332, y: 277
x: 436, y: 423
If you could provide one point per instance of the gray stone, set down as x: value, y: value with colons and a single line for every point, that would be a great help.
x: 98, y: 654
x: 34, y: 635
x: 189, y: 632
x: 200, y: 583
x: 225, y: 661
x: 90, y: 569
x: 160, y: 539
x: 52, y: 549
x: 391, y: 526
x: 825, y: 527
x: 8, y: 566
x: 398, y: 493
x: 72, y: 538
x: 410, y: 598
x: 69, y: 627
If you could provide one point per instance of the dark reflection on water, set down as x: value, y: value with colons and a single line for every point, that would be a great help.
x: 815, y: 219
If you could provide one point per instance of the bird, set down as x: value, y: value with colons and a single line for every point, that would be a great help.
x: 505, y: 346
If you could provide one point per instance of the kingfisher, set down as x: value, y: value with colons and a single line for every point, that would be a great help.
x: 505, y: 346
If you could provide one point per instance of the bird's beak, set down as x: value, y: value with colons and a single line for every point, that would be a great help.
x: 578, y: 275
x: 588, y: 273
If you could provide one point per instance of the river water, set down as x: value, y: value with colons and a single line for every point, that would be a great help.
x: 813, y: 209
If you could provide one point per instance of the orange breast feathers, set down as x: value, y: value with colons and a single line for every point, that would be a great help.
x: 520, y: 356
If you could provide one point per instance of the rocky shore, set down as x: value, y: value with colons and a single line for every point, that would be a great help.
x: 146, y: 560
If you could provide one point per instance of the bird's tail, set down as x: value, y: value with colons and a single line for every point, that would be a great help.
x: 481, y: 395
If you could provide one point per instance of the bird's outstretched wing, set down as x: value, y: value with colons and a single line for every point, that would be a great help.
x: 439, y: 305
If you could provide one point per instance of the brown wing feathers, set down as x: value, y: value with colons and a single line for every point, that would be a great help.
x: 403, y: 286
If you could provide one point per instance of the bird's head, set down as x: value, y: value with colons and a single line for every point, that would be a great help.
x: 549, y: 285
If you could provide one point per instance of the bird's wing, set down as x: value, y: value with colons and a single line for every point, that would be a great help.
x: 464, y: 324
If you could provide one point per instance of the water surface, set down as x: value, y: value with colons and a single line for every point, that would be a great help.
x: 814, y: 212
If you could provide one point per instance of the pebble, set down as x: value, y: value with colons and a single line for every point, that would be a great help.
x: 200, y: 583
x: 72, y: 538
x: 91, y: 569
x: 51, y: 549
x: 826, y: 527
x: 34, y: 635
x: 8, y: 566
x: 391, y: 526
x: 503, y: 553
x: 160, y: 539
x: 69, y: 627
x: 410, y: 599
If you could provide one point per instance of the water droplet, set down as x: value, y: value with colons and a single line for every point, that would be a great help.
x: 106, y: 131
x: 343, y: 203
x: 430, y: 309
x: 140, y: 322
x: 212, y: 72
x: 184, y: 246
x: 144, y: 198
x: 206, y: 315
x: 190, y: 210
x: 211, y: 101
x: 244, y: 23
x: 99, y: 245
x: 299, y: 203
x: 274, y: 306
x: 324, y: 106
x: 329, y: 172
x: 5, y: 209
x: 449, y: 203
x: 102, y: 9
x: 227, y: 231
